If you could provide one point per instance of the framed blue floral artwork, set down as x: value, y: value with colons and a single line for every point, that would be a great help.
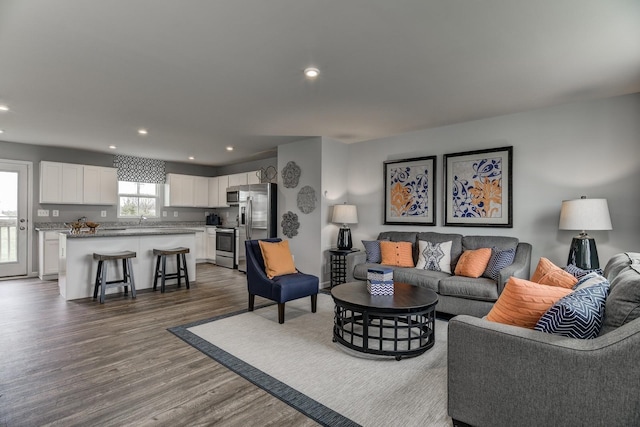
x: 409, y: 191
x: 478, y: 188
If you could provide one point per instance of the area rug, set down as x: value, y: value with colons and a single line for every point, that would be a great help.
x: 298, y: 363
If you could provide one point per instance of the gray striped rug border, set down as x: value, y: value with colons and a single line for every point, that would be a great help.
x: 299, y: 401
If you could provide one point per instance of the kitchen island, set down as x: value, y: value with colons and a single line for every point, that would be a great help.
x: 77, y: 269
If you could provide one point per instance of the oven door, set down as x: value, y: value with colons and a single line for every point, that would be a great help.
x: 226, y: 248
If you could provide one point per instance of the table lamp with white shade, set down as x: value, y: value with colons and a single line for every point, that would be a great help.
x: 345, y: 214
x: 584, y: 214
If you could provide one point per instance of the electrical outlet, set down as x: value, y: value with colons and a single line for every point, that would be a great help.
x: 43, y: 212
x: 55, y: 212
x: 175, y: 214
x: 103, y: 214
x: 164, y: 214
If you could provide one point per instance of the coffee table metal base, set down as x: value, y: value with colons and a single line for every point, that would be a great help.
x: 383, y: 333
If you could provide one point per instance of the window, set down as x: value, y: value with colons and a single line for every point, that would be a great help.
x: 137, y: 199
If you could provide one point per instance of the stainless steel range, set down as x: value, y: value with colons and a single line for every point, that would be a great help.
x: 227, y: 247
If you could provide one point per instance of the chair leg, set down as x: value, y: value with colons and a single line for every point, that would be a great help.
x: 314, y: 303
x: 186, y: 273
x: 178, y: 270
x: 252, y: 301
x: 103, y: 281
x: 156, y: 274
x: 132, y: 280
x: 98, y: 276
x: 281, y: 312
x: 164, y: 272
x: 125, y: 276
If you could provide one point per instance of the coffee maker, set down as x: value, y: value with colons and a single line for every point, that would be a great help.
x: 213, y: 219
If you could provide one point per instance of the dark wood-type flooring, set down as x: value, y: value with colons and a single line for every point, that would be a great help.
x: 82, y: 363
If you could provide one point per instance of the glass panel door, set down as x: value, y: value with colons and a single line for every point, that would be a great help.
x: 13, y: 219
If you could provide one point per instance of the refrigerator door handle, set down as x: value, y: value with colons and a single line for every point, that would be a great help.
x: 249, y: 217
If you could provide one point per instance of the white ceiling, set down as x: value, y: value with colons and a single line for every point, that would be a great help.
x: 204, y: 74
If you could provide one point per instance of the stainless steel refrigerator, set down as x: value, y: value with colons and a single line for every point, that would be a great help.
x: 257, y: 214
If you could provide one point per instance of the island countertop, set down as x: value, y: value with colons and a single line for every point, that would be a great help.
x: 128, y: 232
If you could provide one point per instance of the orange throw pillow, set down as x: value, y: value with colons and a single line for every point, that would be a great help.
x: 522, y: 303
x: 398, y: 254
x: 277, y: 258
x: 473, y: 263
x: 547, y: 273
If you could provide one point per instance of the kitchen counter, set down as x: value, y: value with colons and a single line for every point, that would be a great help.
x: 77, y: 269
x: 59, y: 226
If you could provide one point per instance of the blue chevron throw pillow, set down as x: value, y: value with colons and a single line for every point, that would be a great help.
x: 579, y: 314
x: 500, y: 258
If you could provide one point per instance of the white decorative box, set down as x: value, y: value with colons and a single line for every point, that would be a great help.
x: 380, y: 281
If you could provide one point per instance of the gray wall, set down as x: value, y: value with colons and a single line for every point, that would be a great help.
x: 563, y: 152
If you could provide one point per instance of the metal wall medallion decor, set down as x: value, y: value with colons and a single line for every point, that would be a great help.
x: 409, y: 191
x: 307, y: 199
x: 290, y: 224
x: 291, y: 175
x: 268, y: 174
x: 478, y: 188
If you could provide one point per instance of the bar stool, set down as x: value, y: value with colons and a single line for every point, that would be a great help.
x: 181, y: 272
x: 127, y: 273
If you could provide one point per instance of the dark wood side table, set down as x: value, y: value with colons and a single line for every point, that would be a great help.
x: 338, y: 264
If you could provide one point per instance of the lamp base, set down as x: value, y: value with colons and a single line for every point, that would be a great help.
x: 344, y: 238
x: 583, y: 253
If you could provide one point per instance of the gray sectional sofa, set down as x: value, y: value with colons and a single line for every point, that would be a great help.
x: 456, y: 294
x: 503, y: 375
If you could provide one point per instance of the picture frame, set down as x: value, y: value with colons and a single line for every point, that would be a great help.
x: 479, y: 188
x: 410, y: 191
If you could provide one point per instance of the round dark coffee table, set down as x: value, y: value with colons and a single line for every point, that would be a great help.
x: 399, y: 325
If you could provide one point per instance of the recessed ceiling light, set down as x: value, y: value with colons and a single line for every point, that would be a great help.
x: 229, y: 148
x: 4, y: 107
x: 143, y: 131
x: 1, y: 131
x: 191, y: 158
x: 311, y: 73
x: 113, y: 147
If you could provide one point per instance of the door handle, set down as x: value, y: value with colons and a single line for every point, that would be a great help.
x: 23, y: 228
x: 22, y: 220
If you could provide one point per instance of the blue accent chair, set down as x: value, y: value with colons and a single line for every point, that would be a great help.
x: 279, y: 289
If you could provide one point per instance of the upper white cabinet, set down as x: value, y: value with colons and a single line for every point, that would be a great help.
x: 61, y: 183
x: 217, y: 198
x: 179, y: 190
x: 237, y: 179
x: 253, y: 177
x: 201, y: 192
x: 100, y: 185
x: 223, y: 183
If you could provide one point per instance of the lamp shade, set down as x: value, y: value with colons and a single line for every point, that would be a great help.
x: 345, y: 214
x: 585, y: 214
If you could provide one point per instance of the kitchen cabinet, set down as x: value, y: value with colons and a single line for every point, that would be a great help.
x: 201, y: 245
x: 214, y: 192
x: 237, y: 179
x: 253, y: 177
x: 48, y: 246
x: 201, y: 191
x: 61, y: 183
x: 100, y: 185
x: 179, y: 190
x: 223, y: 183
x: 211, y: 244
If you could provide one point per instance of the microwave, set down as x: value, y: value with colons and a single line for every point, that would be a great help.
x: 233, y: 196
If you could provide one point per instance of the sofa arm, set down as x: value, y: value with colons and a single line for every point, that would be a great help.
x: 501, y: 375
x: 353, y: 259
x: 520, y: 267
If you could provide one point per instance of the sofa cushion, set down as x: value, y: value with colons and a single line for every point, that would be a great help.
x: 623, y: 303
x: 455, y: 239
x: 522, y: 303
x: 579, y: 314
x: 500, y: 258
x: 372, y: 248
x: 477, y: 242
x: 402, y: 236
x: 422, y: 278
x: 473, y: 263
x: 398, y: 254
x: 578, y: 273
x: 434, y: 256
x: 547, y: 273
x: 482, y: 289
